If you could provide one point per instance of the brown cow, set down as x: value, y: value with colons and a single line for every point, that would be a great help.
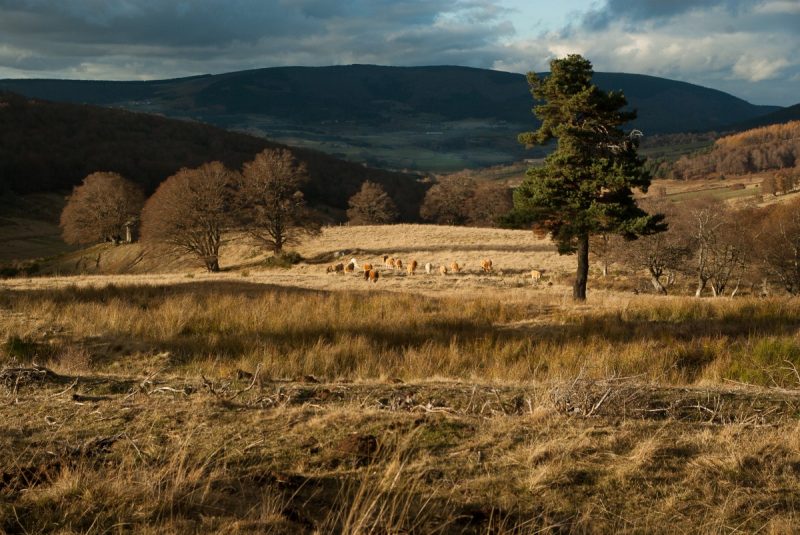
x: 398, y: 263
x: 536, y: 275
x: 338, y: 268
x: 443, y: 270
x: 350, y: 267
x: 412, y: 267
x: 367, y: 268
x: 373, y: 275
x: 486, y: 265
x: 388, y: 261
x: 455, y: 267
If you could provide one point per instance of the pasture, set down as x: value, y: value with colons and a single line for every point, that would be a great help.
x: 293, y: 400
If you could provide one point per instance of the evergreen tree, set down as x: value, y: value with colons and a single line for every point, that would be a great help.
x: 585, y: 186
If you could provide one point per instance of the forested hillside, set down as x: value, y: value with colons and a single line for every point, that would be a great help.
x: 770, y: 148
x: 46, y: 146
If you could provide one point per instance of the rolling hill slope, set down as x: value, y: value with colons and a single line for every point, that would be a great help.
x: 433, y: 118
x: 783, y: 115
x: 50, y: 147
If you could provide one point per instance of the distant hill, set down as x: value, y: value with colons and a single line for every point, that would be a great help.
x: 783, y: 115
x: 432, y: 118
x: 50, y: 147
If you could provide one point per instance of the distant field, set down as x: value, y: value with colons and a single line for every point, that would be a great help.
x: 438, y: 147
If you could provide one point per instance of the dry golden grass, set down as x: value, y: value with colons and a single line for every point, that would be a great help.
x: 423, y: 404
x: 218, y: 327
x: 378, y: 458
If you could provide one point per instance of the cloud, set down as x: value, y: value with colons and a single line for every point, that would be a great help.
x: 743, y: 46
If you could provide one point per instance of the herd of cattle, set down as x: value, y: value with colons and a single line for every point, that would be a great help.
x: 372, y: 274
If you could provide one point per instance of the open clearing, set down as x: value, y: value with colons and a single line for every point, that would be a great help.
x: 296, y: 401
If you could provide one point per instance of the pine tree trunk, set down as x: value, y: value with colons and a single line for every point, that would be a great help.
x: 582, y: 275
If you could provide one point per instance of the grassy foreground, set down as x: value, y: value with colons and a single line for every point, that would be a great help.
x: 236, y: 407
x: 218, y: 328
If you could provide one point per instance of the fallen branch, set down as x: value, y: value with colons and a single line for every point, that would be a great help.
x: 597, y: 405
x: 70, y: 387
x: 252, y: 383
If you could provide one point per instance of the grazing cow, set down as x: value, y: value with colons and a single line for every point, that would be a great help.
x: 399, y: 264
x: 338, y: 268
x: 388, y: 261
x: 428, y: 268
x: 443, y: 270
x: 412, y: 267
x: 455, y: 267
x: 373, y: 275
x: 367, y: 268
x: 536, y: 275
x: 355, y: 264
x: 486, y: 265
x: 350, y: 267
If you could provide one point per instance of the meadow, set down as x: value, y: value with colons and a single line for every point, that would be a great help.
x: 296, y: 401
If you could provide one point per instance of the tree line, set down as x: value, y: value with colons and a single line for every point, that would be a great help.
x: 192, y: 209
x: 714, y: 248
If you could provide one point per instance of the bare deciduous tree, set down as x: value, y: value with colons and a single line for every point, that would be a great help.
x: 779, y: 246
x: 488, y: 202
x: 102, y: 208
x: 446, y: 201
x: 189, y: 212
x: 663, y: 255
x: 603, y: 247
x: 371, y: 206
x: 270, y: 204
x: 722, y: 242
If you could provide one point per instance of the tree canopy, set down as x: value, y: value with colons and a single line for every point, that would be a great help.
x: 100, y: 209
x: 271, y: 206
x: 189, y: 212
x: 371, y: 206
x: 586, y: 184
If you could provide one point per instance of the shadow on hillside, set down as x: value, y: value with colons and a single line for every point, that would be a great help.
x: 145, y: 293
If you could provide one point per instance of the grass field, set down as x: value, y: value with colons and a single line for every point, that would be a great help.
x: 296, y: 401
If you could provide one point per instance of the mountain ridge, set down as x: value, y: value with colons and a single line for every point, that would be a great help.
x: 427, y: 118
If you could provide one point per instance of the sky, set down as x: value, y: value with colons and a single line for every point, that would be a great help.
x: 748, y: 48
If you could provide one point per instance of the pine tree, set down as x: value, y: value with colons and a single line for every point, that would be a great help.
x: 585, y: 186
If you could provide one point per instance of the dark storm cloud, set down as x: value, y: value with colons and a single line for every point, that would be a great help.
x: 747, y: 47
x: 232, y: 34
